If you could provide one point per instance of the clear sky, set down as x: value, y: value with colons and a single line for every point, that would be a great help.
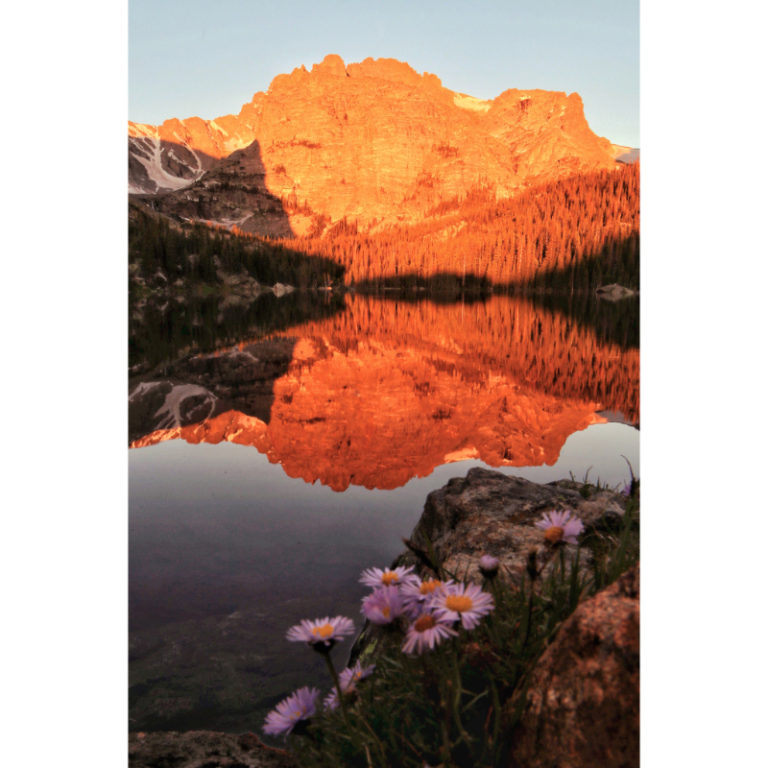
x: 195, y: 57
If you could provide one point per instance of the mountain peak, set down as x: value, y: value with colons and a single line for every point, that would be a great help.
x: 373, y: 140
x: 393, y: 70
x: 331, y: 66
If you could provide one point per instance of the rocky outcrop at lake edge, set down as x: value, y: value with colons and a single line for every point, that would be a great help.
x: 492, y: 513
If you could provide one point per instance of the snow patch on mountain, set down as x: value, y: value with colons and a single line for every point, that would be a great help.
x: 148, y: 151
x: 471, y: 103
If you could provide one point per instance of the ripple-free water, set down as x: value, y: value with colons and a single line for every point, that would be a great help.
x: 227, y: 551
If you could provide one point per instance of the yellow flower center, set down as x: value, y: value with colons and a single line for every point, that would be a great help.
x: 389, y: 577
x: 385, y: 611
x: 429, y: 586
x: 298, y: 714
x: 458, y: 603
x: 423, y: 623
x: 553, y: 534
x: 324, y: 631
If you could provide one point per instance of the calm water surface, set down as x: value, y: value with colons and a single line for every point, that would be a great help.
x: 268, y: 470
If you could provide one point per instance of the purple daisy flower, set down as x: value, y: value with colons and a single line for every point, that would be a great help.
x: 489, y: 566
x: 347, y: 681
x: 419, y: 594
x: 465, y: 602
x: 321, y: 632
x: 426, y: 632
x: 383, y: 605
x: 375, y: 577
x: 560, y: 526
x: 300, y: 705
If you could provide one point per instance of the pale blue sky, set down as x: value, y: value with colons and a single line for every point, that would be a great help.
x: 207, y: 59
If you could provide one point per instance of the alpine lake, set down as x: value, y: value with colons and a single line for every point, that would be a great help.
x: 281, y: 445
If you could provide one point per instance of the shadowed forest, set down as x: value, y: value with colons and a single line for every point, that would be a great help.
x: 568, y: 235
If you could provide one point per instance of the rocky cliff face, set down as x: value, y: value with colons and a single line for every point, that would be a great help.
x: 177, y: 152
x: 373, y: 141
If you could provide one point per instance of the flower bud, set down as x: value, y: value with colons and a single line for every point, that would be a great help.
x: 489, y: 566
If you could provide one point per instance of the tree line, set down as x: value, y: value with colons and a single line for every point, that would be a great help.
x: 196, y: 252
x: 543, y: 237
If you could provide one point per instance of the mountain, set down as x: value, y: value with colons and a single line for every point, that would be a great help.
x: 372, y: 142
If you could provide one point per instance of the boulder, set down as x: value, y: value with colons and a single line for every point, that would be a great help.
x: 489, y: 512
x: 583, y: 701
x: 279, y: 289
x: 614, y: 292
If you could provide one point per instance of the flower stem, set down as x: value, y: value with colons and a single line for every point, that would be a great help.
x: 343, y: 706
x: 376, y: 739
x: 457, y: 689
x: 336, y: 683
x: 528, y: 618
x: 445, y: 723
x: 496, y: 712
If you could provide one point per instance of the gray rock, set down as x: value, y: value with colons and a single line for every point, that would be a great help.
x: 614, y: 292
x: 488, y: 512
x: 280, y: 289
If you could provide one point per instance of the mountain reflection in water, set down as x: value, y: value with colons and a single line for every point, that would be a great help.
x: 387, y: 390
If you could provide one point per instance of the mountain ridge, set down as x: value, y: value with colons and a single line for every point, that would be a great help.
x: 373, y: 141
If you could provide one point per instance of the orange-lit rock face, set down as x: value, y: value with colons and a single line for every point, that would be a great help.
x: 388, y: 391
x: 373, y: 140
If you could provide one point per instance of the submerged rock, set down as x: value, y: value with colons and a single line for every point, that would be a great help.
x: 583, y: 706
x: 203, y: 749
